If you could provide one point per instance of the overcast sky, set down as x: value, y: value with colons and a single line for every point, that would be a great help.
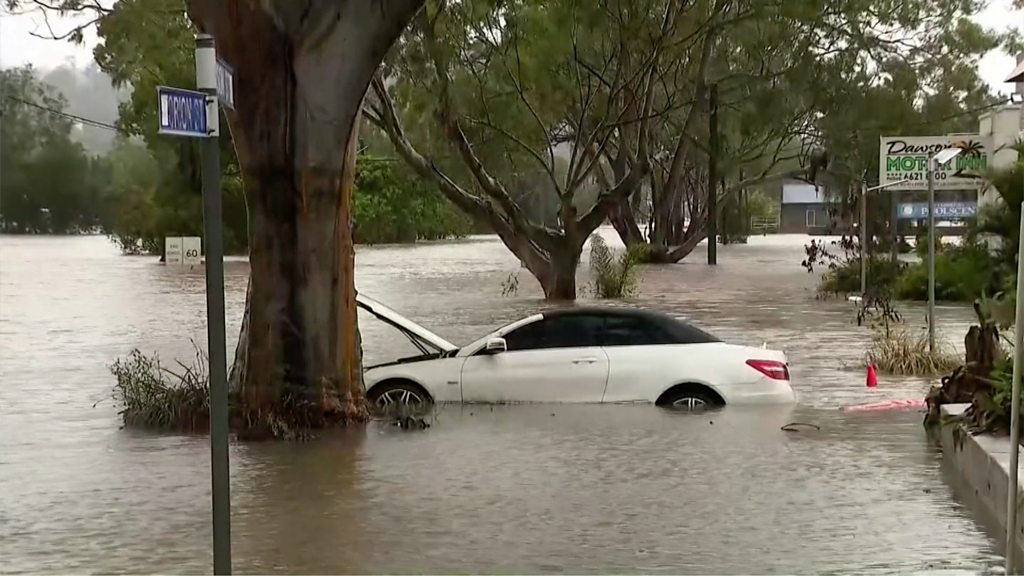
x: 18, y: 46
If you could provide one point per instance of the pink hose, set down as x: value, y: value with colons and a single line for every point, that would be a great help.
x: 887, y: 405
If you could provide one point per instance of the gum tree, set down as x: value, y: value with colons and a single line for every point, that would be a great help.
x: 301, y: 70
x: 477, y: 94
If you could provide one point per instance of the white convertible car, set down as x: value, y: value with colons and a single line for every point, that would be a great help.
x: 580, y: 354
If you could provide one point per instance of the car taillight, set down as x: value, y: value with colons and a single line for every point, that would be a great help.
x: 770, y: 368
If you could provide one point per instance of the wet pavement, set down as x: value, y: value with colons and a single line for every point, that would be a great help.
x: 514, y: 489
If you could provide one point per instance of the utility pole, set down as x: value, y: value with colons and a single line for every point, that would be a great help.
x: 931, y: 252
x: 894, y: 250
x: 206, y: 81
x: 713, y: 176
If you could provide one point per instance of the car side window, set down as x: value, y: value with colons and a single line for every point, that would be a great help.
x: 633, y: 331
x: 569, y: 331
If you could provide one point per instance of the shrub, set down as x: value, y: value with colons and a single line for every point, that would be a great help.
x: 151, y: 395
x: 962, y: 273
x: 614, y: 277
x: 900, y: 352
x: 844, y: 278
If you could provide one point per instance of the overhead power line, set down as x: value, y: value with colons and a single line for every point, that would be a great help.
x: 80, y: 119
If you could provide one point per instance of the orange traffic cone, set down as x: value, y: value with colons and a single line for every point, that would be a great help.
x: 872, y: 379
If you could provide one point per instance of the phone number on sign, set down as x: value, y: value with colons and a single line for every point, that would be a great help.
x: 937, y: 175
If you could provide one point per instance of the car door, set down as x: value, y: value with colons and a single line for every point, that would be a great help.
x: 555, y: 359
x: 642, y: 356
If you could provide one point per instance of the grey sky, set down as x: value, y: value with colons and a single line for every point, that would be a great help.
x: 18, y: 46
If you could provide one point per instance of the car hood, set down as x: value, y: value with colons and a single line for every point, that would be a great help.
x: 403, y: 324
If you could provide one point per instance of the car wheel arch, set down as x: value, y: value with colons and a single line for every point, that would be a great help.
x: 691, y: 386
x: 400, y: 380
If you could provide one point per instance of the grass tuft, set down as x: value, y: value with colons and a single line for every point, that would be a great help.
x: 900, y: 352
x: 151, y: 395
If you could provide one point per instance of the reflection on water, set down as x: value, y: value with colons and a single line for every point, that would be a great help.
x: 514, y: 489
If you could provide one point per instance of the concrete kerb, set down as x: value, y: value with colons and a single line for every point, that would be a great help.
x: 983, y: 464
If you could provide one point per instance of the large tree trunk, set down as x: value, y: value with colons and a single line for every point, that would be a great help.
x: 301, y: 72
x: 557, y: 274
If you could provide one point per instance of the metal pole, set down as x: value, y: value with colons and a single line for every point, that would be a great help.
x: 931, y: 253
x: 894, y: 250
x: 713, y: 176
x: 206, y: 81
x: 1018, y: 365
x: 863, y: 239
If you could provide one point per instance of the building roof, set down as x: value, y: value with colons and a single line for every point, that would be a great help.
x: 794, y: 193
x: 1018, y: 73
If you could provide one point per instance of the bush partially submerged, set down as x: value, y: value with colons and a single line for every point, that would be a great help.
x: 614, y: 277
x: 901, y: 352
x: 151, y: 395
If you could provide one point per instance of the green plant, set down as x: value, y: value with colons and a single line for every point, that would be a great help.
x: 392, y: 206
x: 844, y: 278
x: 962, y: 273
x: 151, y: 395
x: 899, y: 351
x: 614, y: 277
x: 1002, y: 219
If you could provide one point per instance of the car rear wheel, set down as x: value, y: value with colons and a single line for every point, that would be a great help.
x: 398, y: 393
x: 689, y: 401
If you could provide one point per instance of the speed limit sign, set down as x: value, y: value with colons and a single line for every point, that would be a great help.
x: 191, y: 250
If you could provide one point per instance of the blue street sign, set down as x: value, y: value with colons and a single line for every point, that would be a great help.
x: 182, y: 112
x: 943, y: 210
x: 225, y: 84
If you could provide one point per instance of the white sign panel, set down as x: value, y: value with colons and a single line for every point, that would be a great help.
x: 173, y: 253
x: 906, y: 158
x: 192, y: 248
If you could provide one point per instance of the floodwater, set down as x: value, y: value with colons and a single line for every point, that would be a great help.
x: 514, y: 489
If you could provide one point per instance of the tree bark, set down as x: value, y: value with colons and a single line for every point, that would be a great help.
x: 557, y: 273
x: 624, y: 221
x: 301, y: 72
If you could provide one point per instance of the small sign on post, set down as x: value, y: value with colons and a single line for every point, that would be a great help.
x: 192, y: 249
x: 173, y: 252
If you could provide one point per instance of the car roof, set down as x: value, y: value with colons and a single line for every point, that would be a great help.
x: 676, y: 326
x: 622, y: 311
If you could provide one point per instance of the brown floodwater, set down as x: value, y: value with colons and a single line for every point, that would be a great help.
x: 515, y: 489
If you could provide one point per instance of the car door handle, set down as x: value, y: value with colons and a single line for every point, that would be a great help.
x: 584, y: 361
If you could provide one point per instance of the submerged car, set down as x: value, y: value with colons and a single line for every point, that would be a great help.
x: 579, y: 354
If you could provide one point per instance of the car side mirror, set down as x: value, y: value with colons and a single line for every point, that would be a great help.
x: 496, y: 346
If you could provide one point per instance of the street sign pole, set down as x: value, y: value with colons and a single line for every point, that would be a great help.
x: 206, y: 81
x: 196, y: 115
x: 930, y: 168
x: 863, y: 239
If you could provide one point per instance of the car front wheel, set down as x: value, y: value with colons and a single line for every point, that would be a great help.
x: 391, y: 395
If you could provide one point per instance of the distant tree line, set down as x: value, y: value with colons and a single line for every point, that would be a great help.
x: 140, y: 192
